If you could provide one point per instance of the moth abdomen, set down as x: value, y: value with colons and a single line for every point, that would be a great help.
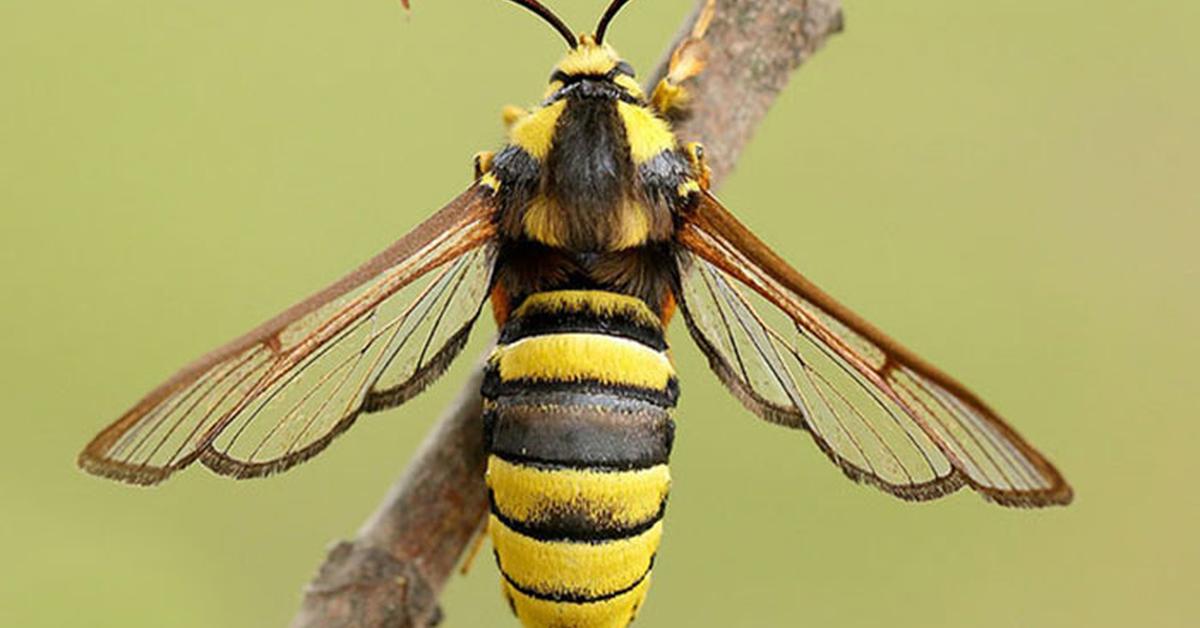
x: 578, y: 400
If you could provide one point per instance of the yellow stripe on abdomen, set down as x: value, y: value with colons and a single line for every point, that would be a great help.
x: 527, y: 493
x: 579, y: 357
x: 582, y: 570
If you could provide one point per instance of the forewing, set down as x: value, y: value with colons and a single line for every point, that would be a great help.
x: 279, y: 394
x: 885, y: 416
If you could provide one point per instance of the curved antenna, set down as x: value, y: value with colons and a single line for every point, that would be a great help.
x: 552, y: 19
x: 609, y: 14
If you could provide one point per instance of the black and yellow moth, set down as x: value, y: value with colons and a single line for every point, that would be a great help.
x: 587, y: 232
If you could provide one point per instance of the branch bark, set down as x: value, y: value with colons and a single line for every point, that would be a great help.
x: 392, y: 573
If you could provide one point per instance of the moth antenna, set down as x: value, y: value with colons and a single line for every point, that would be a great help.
x: 609, y: 14
x: 544, y: 13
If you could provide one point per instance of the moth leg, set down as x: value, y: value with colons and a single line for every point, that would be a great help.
x: 511, y: 114
x: 670, y: 97
x: 483, y: 162
x: 473, y: 549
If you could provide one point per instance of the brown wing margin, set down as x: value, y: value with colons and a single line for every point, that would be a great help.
x: 923, y: 405
x: 361, y: 344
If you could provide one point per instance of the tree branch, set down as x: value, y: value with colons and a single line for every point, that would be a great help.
x: 392, y: 573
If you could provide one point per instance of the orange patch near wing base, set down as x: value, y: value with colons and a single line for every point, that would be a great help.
x: 501, y: 304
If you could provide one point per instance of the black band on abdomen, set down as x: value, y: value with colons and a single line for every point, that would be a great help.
x: 544, y: 323
x: 494, y: 388
x: 580, y: 430
x: 576, y: 523
x: 572, y: 597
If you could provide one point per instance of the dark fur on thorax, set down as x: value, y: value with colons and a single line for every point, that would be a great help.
x: 520, y: 177
x: 588, y: 172
x: 524, y: 267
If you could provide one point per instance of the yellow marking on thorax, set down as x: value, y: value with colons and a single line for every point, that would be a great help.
x: 633, y: 226
x: 579, y: 357
x: 614, y: 612
x: 627, y: 498
x: 535, y: 132
x: 543, y: 222
x: 608, y: 304
x: 647, y: 133
x: 592, y: 569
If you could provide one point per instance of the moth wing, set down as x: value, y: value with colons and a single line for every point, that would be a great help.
x: 281, y: 393
x: 884, y: 415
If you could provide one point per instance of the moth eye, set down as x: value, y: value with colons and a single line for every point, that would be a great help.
x: 559, y: 75
x: 623, y: 67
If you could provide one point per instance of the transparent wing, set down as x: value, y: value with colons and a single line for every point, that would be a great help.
x: 885, y: 416
x: 383, y: 358
x: 790, y: 380
x: 279, y: 394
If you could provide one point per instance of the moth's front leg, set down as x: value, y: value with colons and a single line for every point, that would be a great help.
x: 671, y: 97
x: 483, y: 162
x: 483, y: 159
x: 511, y: 114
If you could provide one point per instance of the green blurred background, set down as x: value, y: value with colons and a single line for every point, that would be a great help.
x: 1009, y: 187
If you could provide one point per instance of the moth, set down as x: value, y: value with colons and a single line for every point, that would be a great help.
x: 587, y: 233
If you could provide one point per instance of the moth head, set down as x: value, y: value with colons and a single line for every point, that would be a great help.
x: 595, y: 61
x: 588, y: 56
